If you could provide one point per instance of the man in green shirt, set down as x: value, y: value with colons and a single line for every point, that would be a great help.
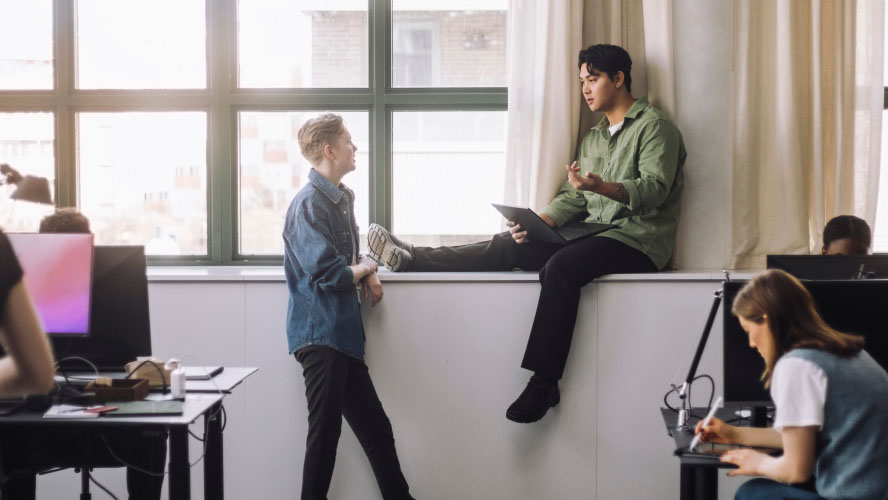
x: 628, y: 173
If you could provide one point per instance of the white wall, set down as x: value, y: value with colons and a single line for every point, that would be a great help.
x: 702, y: 33
x: 445, y: 361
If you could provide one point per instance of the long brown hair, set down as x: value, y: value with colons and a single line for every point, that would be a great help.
x: 780, y: 299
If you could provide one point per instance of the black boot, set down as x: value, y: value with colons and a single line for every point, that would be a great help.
x: 539, y: 395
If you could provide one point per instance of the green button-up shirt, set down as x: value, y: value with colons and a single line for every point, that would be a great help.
x: 647, y: 157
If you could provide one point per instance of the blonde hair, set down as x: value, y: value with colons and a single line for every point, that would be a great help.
x: 317, y: 133
x: 780, y: 299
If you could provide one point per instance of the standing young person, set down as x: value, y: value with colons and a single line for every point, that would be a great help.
x: 325, y: 275
x: 831, y: 401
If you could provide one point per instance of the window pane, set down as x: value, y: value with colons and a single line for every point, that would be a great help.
x: 141, y: 44
x: 449, y: 43
x: 447, y: 168
x: 25, y: 44
x: 272, y: 170
x: 27, y: 145
x: 143, y: 179
x: 302, y: 43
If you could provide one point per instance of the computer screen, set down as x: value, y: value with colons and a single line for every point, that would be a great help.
x: 120, y: 329
x: 58, y: 274
x: 856, y: 306
x: 831, y: 267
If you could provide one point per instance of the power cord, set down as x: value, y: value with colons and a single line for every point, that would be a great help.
x: 674, y: 390
x: 106, y: 490
x: 162, y: 376
x: 220, y: 412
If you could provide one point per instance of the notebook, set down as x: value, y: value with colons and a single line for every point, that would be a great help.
x: 145, y: 409
x: 538, y: 230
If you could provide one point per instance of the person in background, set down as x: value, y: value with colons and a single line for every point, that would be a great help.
x: 846, y: 235
x: 65, y: 220
x: 324, y: 329
x: 831, y: 401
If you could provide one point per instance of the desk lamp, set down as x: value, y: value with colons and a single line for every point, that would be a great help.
x: 685, y: 412
x: 30, y: 188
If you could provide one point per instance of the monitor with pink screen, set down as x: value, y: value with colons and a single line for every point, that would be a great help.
x: 58, y: 274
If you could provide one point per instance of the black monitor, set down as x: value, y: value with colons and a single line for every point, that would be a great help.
x: 849, y: 306
x: 120, y: 328
x: 831, y: 267
x: 57, y: 273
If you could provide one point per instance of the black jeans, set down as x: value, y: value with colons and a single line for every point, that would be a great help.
x: 336, y: 386
x: 564, y: 270
x: 24, y: 453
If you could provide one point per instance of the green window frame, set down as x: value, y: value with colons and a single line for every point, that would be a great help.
x: 222, y: 100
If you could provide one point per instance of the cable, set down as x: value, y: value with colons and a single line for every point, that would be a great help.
x: 106, y: 490
x: 129, y: 465
x: 691, y: 413
x: 162, y: 376
x: 711, y: 393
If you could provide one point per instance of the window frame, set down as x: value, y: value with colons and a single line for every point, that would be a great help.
x: 222, y: 100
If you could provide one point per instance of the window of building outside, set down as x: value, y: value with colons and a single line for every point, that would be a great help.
x: 178, y: 132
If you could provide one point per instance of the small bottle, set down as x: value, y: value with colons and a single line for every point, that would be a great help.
x: 177, y: 378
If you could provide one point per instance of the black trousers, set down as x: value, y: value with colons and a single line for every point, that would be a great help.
x: 564, y: 270
x: 24, y: 453
x: 336, y: 386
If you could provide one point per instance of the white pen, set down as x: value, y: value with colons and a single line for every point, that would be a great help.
x: 706, y: 420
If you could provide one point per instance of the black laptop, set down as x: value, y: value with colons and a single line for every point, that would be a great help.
x: 538, y: 230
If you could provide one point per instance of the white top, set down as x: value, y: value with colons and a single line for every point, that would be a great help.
x: 798, y: 388
x: 614, y: 128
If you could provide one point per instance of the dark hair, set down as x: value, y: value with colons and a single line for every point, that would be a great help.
x: 65, y: 220
x: 847, y: 226
x: 610, y: 59
x: 780, y: 299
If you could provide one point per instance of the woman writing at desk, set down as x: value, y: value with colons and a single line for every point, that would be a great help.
x: 831, y: 402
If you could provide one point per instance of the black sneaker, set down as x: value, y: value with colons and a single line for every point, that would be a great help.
x: 389, y: 250
x: 539, y: 395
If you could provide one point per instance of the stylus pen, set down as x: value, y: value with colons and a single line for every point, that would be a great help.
x: 706, y: 420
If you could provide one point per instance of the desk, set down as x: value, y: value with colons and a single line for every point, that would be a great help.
x: 699, y: 479
x: 196, y: 405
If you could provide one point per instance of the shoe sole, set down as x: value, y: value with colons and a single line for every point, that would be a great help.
x: 383, y: 249
x: 524, y: 419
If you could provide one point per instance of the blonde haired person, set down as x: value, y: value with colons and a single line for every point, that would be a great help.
x: 28, y: 367
x: 324, y: 329
x: 831, y: 402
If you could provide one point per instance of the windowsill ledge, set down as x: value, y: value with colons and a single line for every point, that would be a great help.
x: 276, y: 274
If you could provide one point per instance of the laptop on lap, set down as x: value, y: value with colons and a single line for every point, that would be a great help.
x: 538, y: 230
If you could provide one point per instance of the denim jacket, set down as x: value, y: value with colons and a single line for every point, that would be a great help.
x: 320, y: 242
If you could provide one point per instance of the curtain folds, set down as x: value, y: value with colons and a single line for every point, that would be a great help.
x: 543, y: 115
x: 807, y: 114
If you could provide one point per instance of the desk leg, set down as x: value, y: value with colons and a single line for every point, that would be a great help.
x: 698, y: 483
x: 214, y: 483
x: 180, y: 469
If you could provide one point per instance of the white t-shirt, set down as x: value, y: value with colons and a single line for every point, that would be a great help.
x: 614, y: 128
x: 798, y: 388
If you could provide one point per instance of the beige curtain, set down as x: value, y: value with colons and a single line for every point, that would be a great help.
x: 543, y: 114
x: 806, y: 121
